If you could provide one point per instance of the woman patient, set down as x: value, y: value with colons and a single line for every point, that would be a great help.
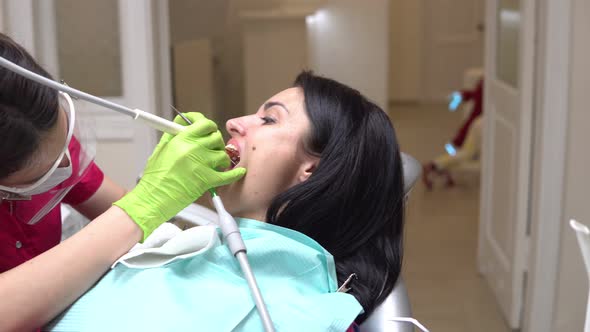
x: 322, y: 200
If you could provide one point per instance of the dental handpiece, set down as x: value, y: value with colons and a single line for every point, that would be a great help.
x: 150, y: 119
x: 233, y: 238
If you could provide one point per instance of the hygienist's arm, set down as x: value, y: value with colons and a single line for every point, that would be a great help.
x: 102, y: 199
x: 38, y: 290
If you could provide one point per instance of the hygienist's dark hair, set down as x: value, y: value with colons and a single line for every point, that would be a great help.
x: 352, y: 204
x: 27, y: 109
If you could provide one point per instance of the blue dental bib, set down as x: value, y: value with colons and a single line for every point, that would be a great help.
x: 193, y: 283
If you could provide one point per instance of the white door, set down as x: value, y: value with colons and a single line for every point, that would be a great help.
x: 104, y: 48
x: 453, y: 42
x: 506, y: 162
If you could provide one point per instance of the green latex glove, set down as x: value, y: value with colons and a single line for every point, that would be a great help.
x: 180, y: 170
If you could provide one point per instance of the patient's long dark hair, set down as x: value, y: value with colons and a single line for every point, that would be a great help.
x: 352, y: 204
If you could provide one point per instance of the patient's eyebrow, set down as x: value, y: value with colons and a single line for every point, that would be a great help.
x: 275, y: 103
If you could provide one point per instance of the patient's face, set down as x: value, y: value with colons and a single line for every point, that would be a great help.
x: 270, y: 144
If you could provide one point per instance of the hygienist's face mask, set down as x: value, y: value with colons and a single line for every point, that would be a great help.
x: 60, y: 170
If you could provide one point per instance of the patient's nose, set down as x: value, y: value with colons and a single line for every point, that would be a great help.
x: 235, y: 127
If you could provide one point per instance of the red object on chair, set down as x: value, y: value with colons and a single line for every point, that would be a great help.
x: 477, y: 96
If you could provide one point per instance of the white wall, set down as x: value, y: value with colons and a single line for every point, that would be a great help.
x: 193, y: 76
x: 405, y: 45
x: 349, y: 42
x: 451, y: 45
x: 196, y: 19
x: 275, y: 51
x: 218, y: 22
x: 572, y: 284
x: 344, y: 20
x: 2, y: 11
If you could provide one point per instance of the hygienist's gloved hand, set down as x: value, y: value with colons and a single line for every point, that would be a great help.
x: 179, y: 171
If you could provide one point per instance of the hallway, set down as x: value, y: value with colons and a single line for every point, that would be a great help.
x: 445, y: 289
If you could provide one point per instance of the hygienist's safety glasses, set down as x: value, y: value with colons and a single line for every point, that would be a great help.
x: 25, y: 192
x: 31, y: 203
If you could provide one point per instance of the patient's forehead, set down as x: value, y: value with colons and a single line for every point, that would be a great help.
x: 291, y: 112
x: 293, y: 99
x: 294, y: 92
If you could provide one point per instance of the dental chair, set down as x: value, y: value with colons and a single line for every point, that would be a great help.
x: 397, y: 304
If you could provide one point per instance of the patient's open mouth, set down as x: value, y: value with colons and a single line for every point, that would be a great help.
x: 233, y: 153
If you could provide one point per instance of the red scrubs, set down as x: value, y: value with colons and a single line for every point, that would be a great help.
x: 20, y: 242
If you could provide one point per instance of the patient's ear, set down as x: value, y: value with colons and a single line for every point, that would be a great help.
x: 307, y: 168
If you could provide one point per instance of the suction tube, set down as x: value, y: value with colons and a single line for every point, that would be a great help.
x: 150, y: 119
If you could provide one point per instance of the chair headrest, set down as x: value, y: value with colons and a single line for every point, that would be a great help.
x: 412, y: 170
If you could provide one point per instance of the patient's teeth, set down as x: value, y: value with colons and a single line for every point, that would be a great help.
x: 233, y: 153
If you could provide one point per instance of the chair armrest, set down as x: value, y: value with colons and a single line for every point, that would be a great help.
x: 397, y: 304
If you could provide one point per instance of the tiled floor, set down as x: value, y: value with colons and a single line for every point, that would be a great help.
x: 445, y: 289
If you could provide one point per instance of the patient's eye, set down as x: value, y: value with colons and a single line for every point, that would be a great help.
x: 267, y: 120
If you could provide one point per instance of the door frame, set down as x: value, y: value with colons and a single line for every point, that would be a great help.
x: 163, y: 60
x: 524, y: 159
x: 2, y: 17
x: 552, y: 112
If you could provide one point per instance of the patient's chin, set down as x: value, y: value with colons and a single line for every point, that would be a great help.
x: 227, y: 194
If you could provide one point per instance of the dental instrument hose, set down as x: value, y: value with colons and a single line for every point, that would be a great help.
x: 236, y: 245
x: 150, y: 119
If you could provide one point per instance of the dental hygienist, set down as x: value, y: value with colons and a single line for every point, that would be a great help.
x: 46, y: 158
